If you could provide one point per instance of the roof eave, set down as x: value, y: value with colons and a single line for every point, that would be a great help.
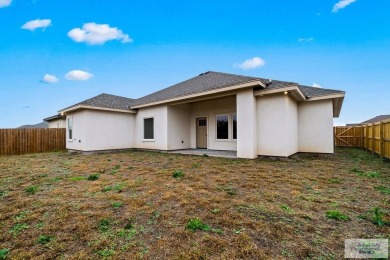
x: 294, y: 91
x: 215, y: 91
x: 80, y: 107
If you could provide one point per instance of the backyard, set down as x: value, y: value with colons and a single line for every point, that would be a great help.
x: 149, y: 205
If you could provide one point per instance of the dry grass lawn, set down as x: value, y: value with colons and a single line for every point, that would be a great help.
x: 147, y: 205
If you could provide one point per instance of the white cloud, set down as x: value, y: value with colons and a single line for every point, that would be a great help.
x: 49, y: 79
x: 306, y: 39
x: 5, y: 3
x: 315, y: 85
x: 93, y: 33
x: 342, y: 4
x: 35, y: 24
x: 252, y: 63
x: 78, y: 75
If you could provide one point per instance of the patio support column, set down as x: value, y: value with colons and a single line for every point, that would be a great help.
x: 246, y: 124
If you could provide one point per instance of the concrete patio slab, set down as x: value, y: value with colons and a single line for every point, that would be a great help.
x: 213, y: 153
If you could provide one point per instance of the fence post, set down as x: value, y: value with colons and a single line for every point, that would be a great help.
x: 381, y: 142
x: 373, y: 138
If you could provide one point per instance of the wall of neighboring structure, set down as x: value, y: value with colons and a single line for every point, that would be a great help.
x: 210, y: 109
x: 179, y: 122
x: 277, y: 125
x: 160, y: 141
x: 58, y: 123
x: 315, y: 120
x: 101, y: 130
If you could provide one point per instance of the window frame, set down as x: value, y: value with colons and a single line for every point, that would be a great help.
x: 70, y: 128
x: 216, y: 127
x: 148, y: 139
x: 233, y: 126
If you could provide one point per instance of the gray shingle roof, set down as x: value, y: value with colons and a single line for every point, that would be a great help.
x: 202, y: 83
x: 107, y: 101
x: 315, y: 92
x: 376, y: 119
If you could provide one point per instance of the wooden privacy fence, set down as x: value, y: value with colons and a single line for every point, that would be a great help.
x: 374, y: 137
x: 22, y: 141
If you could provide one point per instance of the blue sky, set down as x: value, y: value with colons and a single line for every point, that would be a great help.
x: 133, y: 48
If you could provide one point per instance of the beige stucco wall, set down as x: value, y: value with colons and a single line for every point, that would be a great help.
x: 179, y: 127
x: 58, y: 123
x: 79, y: 130
x: 101, y: 130
x: 316, y: 126
x: 246, y: 124
x: 210, y: 109
x: 159, y: 113
x: 277, y: 125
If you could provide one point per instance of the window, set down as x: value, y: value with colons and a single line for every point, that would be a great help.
x: 234, y: 119
x: 70, y: 128
x: 222, y: 127
x: 149, y: 128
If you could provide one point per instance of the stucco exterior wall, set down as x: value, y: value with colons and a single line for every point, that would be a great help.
x: 59, y: 123
x: 101, y: 130
x: 179, y: 127
x: 160, y: 115
x: 277, y: 125
x: 246, y: 124
x: 315, y: 120
x: 210, y: 109
x: 79, y: 129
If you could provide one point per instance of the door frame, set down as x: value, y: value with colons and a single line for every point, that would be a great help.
x: 196, y: 131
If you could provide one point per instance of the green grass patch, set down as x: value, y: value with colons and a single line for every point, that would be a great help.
x: 376, y: 216
x: 117, y: 204
x: 44, y: 239
x: 93, y: 177
x: 335, y: 180
x: 335, y: 214
x: 195, y: 224
x: 383, y: 189
x: 106, y: 252
x: 286, y: 208
x: 4, y: 253
x: 178, y: 174
x: 77, y: 178
x: 104, y: 225
x: 117, y: 187
x: 127, y: 234
x: 18, y: 228
x: 31, y: 189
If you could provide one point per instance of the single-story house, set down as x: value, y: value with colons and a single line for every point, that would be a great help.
x: 218, y: 111
x: 372, y: 120
x: 57, y: 121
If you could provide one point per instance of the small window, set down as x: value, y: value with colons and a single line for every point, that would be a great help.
x: 202, y: 122
x: 70, y: 128
x: 149, y: 128
x: 234, y: 119
x: 222, y: 127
